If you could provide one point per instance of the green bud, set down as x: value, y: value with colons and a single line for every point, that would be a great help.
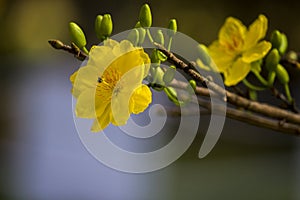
x: 169, y: 74
x: 203, y: 54
x: 159, y: 37
x: 284, y: 44
x: 145, y: 16
x: 193, y: 84
x: 106, y: 26
x: 154, y: 58
x: 272, y: 60
x: 161, y: 56
x: 77, y: 35
x: 172, y: 94
x: 142, y: 34
x: 276, y: 39
x: 159, y: 74
x: 172, y: 27
x: 138, y: 25
x: 282, y: 74
x: 191, y: 87
x: 98, y: 22
x: 253, y: 95
x: 133, y: 36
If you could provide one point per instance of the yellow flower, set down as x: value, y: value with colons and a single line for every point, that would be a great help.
x: 109, y: 87
x: 237, y: 47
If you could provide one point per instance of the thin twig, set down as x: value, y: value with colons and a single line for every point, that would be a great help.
x: 73, y: 49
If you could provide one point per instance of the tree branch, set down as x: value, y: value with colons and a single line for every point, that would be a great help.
x: 73, y: 49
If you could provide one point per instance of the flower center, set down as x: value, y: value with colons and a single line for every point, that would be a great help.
x: 107, y: 84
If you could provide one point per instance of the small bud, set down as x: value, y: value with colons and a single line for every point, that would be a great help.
x: 172, y: 27
x: 252, y: 95
x: 284, y: 44
x: 292, y: 56
x: 282, y: 74
x: 172, y: 94
x: 145, y: 16
x: 276, y: 39
x: 138, y: 25
x: 191, y: 87
x: 77, y: 35
x: 98, y: 22
x: 133, y: 36
x: 154, y: 58
x: 272, y: 60
x: 142, y: 34
x: 193, y: 84
x: 106, y: 26
x: 159, y: 37
x: 169, y: 74
x: 203, y: 54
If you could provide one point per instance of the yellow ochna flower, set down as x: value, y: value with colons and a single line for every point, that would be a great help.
x: 109, y: 87
x: 237, y: 47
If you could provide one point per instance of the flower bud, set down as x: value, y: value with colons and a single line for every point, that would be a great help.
x: 142, y: 34
x: 133, y: 36
x: 252, y: 95
x: 272, y: 60
x: 191, y: 87
x: 98, y: 22
x: 282, y: 74
x: 172, y: 94
x: 203, y: 54
x: 172, y: 27
x: 169, y: 74
x: 159, y: 37
x: 77, y: 35
x: 276, y: 39
x: 145, y: 16
x: 106, y: 26
x: 284, y: 44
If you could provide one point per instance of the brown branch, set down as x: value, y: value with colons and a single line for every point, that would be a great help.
x: 261, y: 108
x: 241, y: 115
x: 73, y: 49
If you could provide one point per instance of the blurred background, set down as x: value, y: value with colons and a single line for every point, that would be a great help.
x: 41, y: 154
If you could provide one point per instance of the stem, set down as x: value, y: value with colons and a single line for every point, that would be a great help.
x: 288, y: 93
x: 252, y: 87
x: 170, y: 43
x: 261, y: 79
x: 149, y: 35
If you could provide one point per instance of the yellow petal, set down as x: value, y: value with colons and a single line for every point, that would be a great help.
x: 103, y: 120
x: 85, y: 78
x: 232, y: 34
x: 257, y: 52
x: 131, y: 60
x: 237, y: 72
x: 221, y: 59
x: 85, y: 105
x: 257, y: 31
x: 140, y: 99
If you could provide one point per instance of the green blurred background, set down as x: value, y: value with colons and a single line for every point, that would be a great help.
x: 41, y: 154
